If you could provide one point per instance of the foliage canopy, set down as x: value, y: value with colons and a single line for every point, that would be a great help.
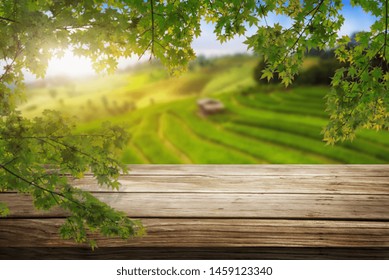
x: 33, y: 31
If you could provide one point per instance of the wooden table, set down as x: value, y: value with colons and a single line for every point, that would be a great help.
x: 224, y: 212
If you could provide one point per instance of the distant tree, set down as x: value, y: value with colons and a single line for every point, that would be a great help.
x: 203, y: 61
x: 33, y: 31
x: 317, y: 74
x: 322, y: 72
x: 200, y: 61
x: 53, y: 93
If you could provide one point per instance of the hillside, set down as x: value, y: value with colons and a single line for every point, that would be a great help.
x: 261, y: 124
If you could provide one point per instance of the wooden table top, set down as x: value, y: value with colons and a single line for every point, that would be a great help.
x: 223, y: 211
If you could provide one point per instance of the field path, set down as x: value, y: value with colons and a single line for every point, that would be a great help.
x: 135, y: 147
x: 362, y: 150
x: 141, y: 155
x: 169, y: 145
x: 214, y: 142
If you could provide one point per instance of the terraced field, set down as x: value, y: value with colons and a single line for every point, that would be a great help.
x: 261, y: 124
x: 276, y: 127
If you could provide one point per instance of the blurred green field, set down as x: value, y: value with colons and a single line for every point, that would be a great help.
x: 261, y: 124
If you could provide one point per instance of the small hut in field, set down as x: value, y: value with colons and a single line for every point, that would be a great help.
x: 209, y: 106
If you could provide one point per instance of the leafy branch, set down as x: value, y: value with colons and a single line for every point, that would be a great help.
x: 54, y: 193
x: 24, y: 170
x: 386, y: 28
x: 86, y: 211
x: 7, y: 19
x: 314, y: 10
x: 9, y: 65
x: 152, y: 27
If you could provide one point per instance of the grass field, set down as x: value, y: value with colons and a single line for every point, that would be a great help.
x: 261, y: 124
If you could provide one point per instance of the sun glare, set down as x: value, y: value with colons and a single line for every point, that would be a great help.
x: 70, y: 65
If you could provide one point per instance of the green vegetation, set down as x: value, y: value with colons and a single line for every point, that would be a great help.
x: 261, y: 124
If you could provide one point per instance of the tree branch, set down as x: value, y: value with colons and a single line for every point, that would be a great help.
x: 74, y: 149
x: 386, y: 27
x: 39, y: 187
x: 148, y: 46
x: 8, y: 67
x: 152, y: 28
x: 8, y: 19
x: 162, y: 46
x: 358, y: 97
x: 70, y: 199
x: 314, y: 10
x: 238, y: 12
x: 55, y: 137
x: 263, y: 13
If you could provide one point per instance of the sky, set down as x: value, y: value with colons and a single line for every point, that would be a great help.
x: 355, y: 20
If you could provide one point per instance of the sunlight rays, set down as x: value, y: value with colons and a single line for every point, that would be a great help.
x: 70, y: 65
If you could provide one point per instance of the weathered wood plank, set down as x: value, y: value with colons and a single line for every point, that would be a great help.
x: 228, y: 205
x: 199, y: 208
x: 194, y: 253
x: 244, y: 184
x: 375, y: 170
x: 210, y: 233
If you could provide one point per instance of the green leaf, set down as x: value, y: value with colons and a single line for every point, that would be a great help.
x: 4, y: 211
x: 267, y: 74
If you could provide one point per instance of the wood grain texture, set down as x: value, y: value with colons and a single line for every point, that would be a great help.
x: 244, y: 184
x: 230, y: 211
x: 345, y: 170
x: 211, y: 233
x: 228, y: 205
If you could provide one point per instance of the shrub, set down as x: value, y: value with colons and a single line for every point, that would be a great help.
x: 320, y: 74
